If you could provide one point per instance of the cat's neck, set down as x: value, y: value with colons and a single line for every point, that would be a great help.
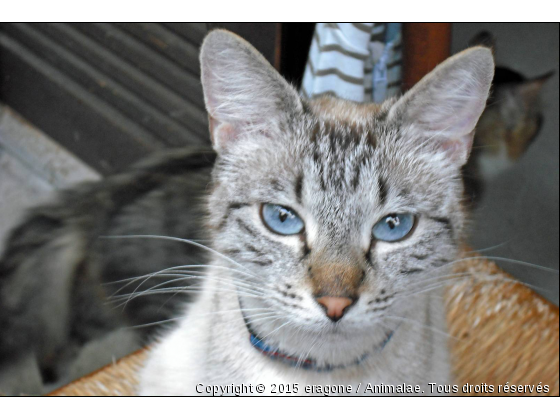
x: 212, y: 345
x: 240, y: 331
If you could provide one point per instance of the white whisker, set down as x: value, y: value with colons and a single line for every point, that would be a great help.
x: 171, y: 238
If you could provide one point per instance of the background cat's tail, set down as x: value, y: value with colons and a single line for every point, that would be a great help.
x: 42, y: 258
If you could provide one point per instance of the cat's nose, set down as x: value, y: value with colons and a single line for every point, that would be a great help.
x: 335, y: 306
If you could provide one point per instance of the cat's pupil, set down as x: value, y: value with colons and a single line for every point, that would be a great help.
x: 393, y: 221
x: 283, y: 215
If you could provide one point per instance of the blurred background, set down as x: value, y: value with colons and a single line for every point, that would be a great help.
x: 518, y: 215
x: 82, y: 101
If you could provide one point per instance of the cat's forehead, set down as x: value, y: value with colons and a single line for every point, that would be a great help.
x: 343, y: 137
x: 352, y: 153
x: 346, y: 112
x: 340, y: 152
x: 346, y: 126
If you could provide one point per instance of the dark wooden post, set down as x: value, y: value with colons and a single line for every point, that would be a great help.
x: 425, y: 46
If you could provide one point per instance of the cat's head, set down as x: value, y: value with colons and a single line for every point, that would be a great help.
x: 513, y: 117
x: 338, y: 212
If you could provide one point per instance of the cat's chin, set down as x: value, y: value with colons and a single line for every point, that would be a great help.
x: 340, y: 344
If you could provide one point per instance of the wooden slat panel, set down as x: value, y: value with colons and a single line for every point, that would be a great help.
x: 192, y: 32
x: 182, y: 111
x: 64, y: 110
x: 113, y: 92
x: 102, y: 85
x: 262, y: 36
x: 166, y: 43
x: 160, y: 68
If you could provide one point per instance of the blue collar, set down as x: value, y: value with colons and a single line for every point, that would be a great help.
x: 307, y: 364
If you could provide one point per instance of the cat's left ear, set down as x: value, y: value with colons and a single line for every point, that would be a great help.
x: 244, y: 94
x: 443, y: 108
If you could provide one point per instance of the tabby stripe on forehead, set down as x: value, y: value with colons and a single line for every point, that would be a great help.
x: 299, y: 187
x: 371, y: 139
x: 315, y: 132
x: 356, y: 178
x: 382, y: 185
x: 275, y: 184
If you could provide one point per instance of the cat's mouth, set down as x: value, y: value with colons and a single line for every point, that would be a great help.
x: 344, y: 346
x: 304, y: 360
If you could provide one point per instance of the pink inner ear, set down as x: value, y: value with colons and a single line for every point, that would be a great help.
x: 223, y: 134
x: 458, y: 148
x: 458, y: 120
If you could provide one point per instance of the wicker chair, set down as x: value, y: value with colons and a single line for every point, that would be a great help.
x: 504, y: 333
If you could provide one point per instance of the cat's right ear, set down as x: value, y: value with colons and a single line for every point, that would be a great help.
x: 244, y: 94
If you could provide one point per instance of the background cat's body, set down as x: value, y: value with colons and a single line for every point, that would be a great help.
x: 57, y: 272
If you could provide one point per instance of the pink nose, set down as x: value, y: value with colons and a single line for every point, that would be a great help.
x: 334, y: 306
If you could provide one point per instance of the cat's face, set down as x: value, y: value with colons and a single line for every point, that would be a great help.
x: 339, y: 213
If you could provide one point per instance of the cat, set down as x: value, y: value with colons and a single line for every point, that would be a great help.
x: 63, y: 262
x: 61, y: 273
x: 508, y: 126
x: 333, y: 226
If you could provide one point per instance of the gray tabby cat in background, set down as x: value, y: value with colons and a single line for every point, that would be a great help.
x: 333, y: 228
x: 61, y: 280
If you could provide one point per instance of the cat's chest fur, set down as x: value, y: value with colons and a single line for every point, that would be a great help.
x: 211, y: 347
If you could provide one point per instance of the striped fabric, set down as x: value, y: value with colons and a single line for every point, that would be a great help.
x: 357, y: 61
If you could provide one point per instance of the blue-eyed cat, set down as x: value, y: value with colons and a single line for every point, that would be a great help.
x: 333, y: 226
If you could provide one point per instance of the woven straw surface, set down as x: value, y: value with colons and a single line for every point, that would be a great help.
x: 117, y: 379
x: 503, y: 333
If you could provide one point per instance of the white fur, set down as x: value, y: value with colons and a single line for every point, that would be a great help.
x: 183, y: 358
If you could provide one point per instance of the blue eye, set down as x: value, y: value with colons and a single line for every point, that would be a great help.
x: 394, y: 227
x: 281, y: 220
